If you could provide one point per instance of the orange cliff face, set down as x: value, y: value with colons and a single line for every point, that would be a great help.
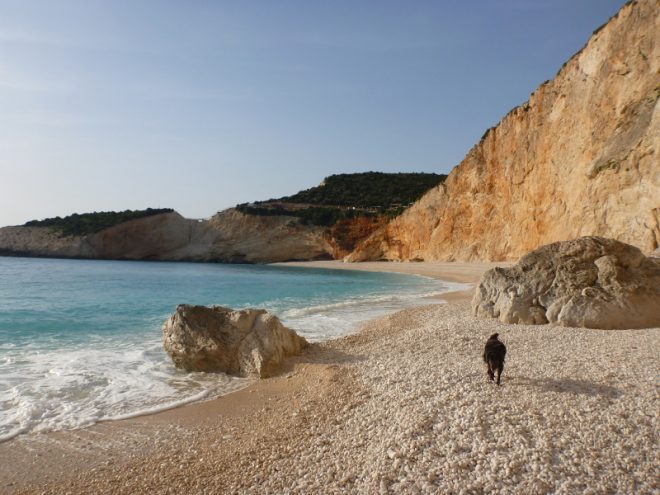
x: 581, y: 157
x: 346, y: 234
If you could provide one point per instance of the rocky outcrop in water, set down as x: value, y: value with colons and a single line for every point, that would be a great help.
x: 589, y: 282
x: 581, y: 157
x: 245, y: 342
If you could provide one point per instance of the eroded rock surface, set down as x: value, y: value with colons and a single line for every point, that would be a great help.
x: 581, y: 157
x: 242, y: 342
x: 590, y: 282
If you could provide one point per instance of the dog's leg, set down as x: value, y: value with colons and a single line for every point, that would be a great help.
x: 499, y: 373
x: 491, y: 374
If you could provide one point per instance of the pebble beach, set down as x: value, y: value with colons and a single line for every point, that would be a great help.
x: 402, y: 406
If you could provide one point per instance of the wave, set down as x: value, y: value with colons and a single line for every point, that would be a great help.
x: 199, y: 397
x: 358, y: 302
x: 61, y: 389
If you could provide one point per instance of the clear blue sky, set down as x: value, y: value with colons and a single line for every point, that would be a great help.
x: 199, y: 105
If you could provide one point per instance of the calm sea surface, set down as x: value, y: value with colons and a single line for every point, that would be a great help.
x: 80, y: 341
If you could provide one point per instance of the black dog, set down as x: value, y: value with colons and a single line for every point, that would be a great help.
x: 494, y: 353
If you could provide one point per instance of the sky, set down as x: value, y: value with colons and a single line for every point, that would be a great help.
x: 199, y: 105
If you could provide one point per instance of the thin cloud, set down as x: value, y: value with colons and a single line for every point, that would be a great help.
x: 28, y: 37
x: 13, y: 80
x: 89, y: 43
x: 364, y: 41
x: 165, y: 92
x: 47, y: 119
x: 31, y: 86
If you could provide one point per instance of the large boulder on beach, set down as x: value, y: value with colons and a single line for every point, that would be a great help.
x: 242, y: 342
x: 590, y: 282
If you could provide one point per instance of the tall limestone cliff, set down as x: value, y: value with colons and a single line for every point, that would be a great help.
x: 581, y: 157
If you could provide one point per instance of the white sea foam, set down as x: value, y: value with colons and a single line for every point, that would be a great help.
x: 56, y: 390
x: 319, y: 322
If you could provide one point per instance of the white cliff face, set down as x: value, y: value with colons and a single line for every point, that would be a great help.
x: 230, y: 236
x: 144, y: 238
x: 581, y: 157
x: 257, y: 239
x: 40, y: 241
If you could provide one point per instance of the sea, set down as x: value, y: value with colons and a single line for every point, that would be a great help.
x: 81, y: 340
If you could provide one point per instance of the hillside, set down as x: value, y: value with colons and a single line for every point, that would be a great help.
x: 579, y: 158
x: 368, y: 190
x: 350, y: 206
x: 261, y: 232
x: 348, y: 196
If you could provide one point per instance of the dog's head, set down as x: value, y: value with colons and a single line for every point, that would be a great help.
x: 494, y: 336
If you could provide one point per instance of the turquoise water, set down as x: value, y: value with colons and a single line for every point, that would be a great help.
x: 80, y: 341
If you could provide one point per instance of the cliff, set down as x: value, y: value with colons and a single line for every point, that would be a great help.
x: 579, y: 158
x: 318, y: 223
x: 256, y: 239
x: 229, y: 236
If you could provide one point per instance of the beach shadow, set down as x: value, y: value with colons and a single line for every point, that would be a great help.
x: 567, y: 385
x: 317, y: 354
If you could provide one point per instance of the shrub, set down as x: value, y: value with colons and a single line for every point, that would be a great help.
x: 90, y: 223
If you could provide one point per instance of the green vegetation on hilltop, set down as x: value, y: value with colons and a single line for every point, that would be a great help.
x: 325, y: 216
x: 368, y: 190
x: 90, y: 223
x: 348, y: 196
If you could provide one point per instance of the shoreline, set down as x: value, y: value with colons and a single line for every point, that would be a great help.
x: 267, y: 437
x: 25, y: 471
x: 464, y: 273
x: 315, y: 318
x: 453, y: 272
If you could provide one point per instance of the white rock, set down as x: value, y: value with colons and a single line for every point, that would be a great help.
x: 244, y: 342
x: 590, y: 282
